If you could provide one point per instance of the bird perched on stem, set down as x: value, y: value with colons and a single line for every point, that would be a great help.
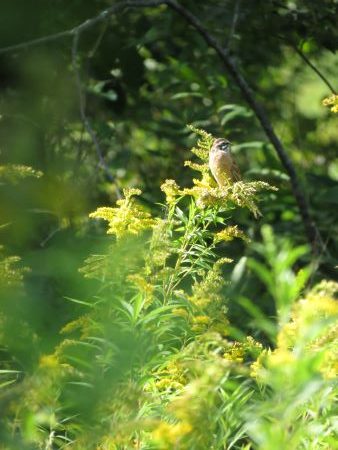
x: 222, y: 165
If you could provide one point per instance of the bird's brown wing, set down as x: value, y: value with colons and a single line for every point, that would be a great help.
x: 220, y: 165
x: 235, y: 172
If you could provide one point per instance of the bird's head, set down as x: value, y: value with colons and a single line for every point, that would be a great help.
x: 221, y: 144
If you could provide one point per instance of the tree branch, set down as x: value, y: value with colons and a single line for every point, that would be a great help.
x: 35, y: 42
x: 84, y: 118
x: 315, y: 69
x: 233, y: 23
x: 103, y: 15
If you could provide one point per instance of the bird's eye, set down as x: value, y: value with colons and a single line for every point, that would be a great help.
x: 224, y: 146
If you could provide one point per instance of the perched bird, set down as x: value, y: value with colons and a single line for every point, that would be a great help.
x: 222, y: 165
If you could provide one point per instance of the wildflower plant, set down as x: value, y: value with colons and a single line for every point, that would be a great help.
x: 167, y: 302
x: 151, y: 362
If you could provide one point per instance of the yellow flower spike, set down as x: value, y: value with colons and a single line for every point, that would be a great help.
x: 257, y: 367
x: 203, y: 168
x: 11, y: 273
x: 49, y: 362
x: 171, y: 190
x: 142, y: 285
x: 180, y: 312
x: 201, y: 320
x: 16, y: 172
x: 204, y: 144
x: 127, y: 218
x: 331, y: 101
x: 165, y: 384
x: 229, y: 233
x: 129, y: 192
x: 170, y: 435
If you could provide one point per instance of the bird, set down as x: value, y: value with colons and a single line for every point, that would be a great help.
x: 222, y: 164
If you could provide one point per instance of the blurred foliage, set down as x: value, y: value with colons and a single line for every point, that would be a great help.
x: 164, y: 342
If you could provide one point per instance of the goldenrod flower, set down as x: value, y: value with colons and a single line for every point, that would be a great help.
x: 16, y: 172
x: 207, y: 291
x: 164, y: 384
x: 11, y: 274
x: 171, y: 190
x: 203, y: 168
x: 332, y: 101
x: 180, y: 312
x: 169, y: 435
x: 229, y: 233
x: 49, y: 361
x: 203, y: 145
x: 141, y: 283
x: 128, y: 217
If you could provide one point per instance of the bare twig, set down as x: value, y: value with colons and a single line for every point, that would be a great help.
x: 233, y: 23
x: 36, y: 42
x: 315, y: 69
x: 310, y: 228
x: 84, y: 118
x: 50, y: 236
x: 98, y: 40
x: 103, y: 15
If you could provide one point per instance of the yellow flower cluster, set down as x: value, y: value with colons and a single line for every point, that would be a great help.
x: 171, y: 377
x: 203, y: 145
x: 169, y: 436
x: 314, y: 327
x: 229, y: 233
x: 316, y: 307
x: 82, y: 323
x: 209, y: 308
x: 49, y: 361
x: 332, y: 101
x: 143, y: 286
x: 180, y: 312
x: 256, y: 367
x: 207, y: 291
x: 53, y: 367
x: 165, y: 384
x: 15, y: 172
x: 199, y: 396
x: 203, y: 168
x: 239, y: 351
x: 200, y: 323
x: 242, y: 194
x: 127, y: 218
x: 245, y: 194
x: 10, y: 273
x: 171, y: 190
x: 326, y: 288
